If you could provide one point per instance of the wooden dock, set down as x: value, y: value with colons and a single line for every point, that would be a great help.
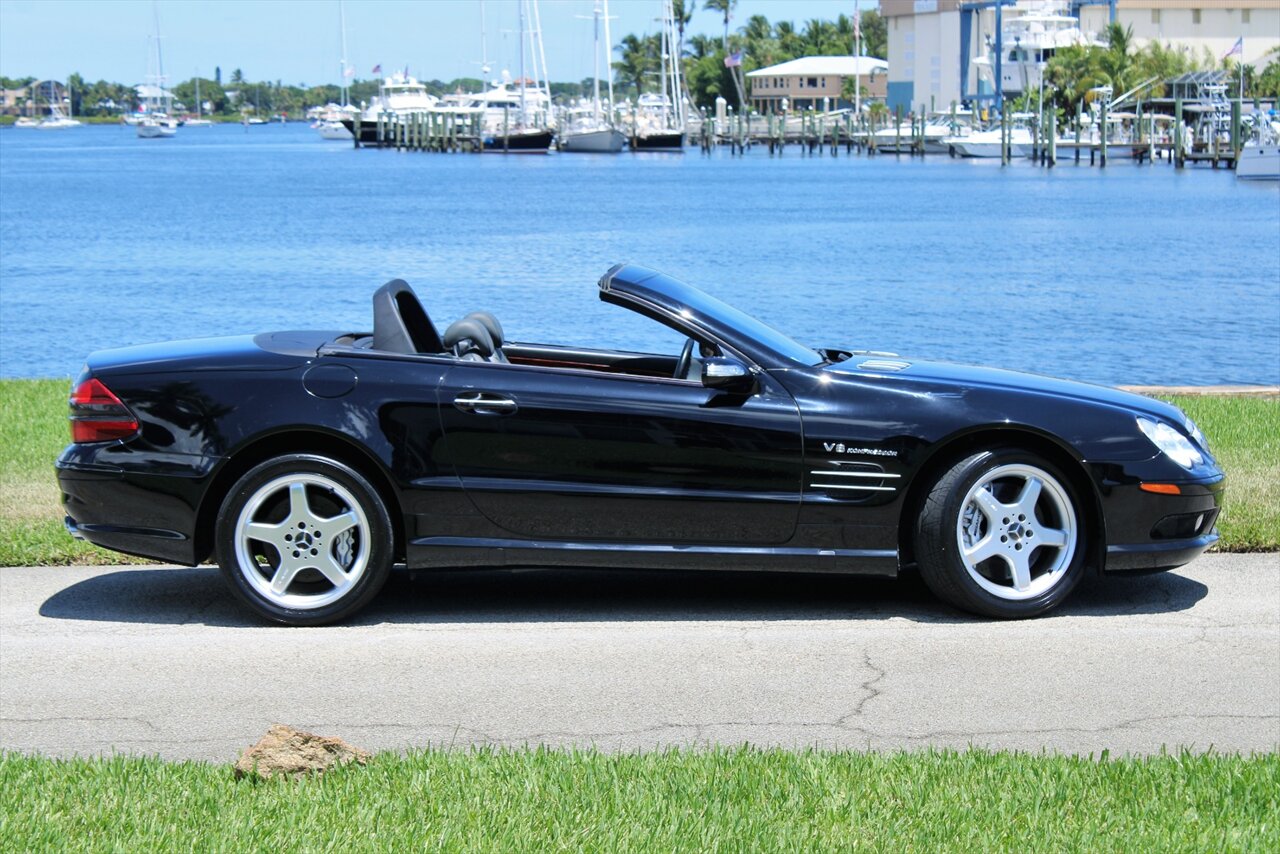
x: 815, y: 133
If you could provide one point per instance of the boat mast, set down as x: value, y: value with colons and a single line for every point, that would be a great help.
x: 522, y: 33
x: 608, y: 43
x: 164, y: 96
x: 662, y: 65
x: 484, y: 50
x: 595, y: 62
x: 544, y: 79
x: 342, y: 24
x: 677, y: 77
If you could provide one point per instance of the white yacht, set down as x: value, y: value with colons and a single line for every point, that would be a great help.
x: 400, y: 94
x: 1260, y: 158
x: 1034, y: 30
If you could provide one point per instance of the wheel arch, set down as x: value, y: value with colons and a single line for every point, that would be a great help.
x: 956, y: 447
x: 295, y: 440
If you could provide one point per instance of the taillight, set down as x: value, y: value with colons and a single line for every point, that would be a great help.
x: 97, y: 415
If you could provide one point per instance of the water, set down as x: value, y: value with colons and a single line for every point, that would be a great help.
x: 1129, y: 274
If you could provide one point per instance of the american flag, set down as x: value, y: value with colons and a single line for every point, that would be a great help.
x: 1237, y: 49
x: 377, y: 69
x: 733, y: 60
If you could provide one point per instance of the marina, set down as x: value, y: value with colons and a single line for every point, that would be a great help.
x: 960, y: 259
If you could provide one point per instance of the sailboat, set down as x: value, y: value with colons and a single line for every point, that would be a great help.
x: 157, y: 102
x: 330, y: 125
x: 587, y: 129
x: 519, y: 121
x: 658, y: 120
x: 57, y: 120
x: 199, y: 121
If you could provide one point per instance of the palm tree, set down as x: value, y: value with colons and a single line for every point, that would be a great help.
x: 683, y: 16
x: 638, y: 58
x: 788, y: 39
x: 700, y: 45
x: 725, y: 7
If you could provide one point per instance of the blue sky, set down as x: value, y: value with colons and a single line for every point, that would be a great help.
x: 298, y: 41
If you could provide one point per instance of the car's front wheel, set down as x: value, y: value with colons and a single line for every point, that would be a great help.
x: 1001, y: 534
x: 304, y: 540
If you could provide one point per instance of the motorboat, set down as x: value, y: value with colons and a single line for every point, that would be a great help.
x: 987, y: 143
x: 156, y: 127
x: 398, y: 95
x: 1259, y: 159
x: 938, y: 129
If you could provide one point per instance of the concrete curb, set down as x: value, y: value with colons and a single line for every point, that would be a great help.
x: 1206, y: 390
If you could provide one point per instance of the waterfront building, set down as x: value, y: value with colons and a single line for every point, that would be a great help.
x: 928, y: 63
x: 807, y: 82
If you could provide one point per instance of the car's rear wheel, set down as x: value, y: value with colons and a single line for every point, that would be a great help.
x: 1001, y: 534
x: 304, y: 540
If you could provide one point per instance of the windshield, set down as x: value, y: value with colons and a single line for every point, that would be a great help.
x: 727, y: 317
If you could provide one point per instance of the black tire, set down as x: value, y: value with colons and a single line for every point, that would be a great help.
x: 320, y: 520
x: 957, y: 516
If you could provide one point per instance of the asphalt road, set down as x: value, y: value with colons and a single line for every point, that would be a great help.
x: 160, y: 661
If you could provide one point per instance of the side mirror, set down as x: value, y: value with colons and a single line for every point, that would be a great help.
x: 727, y: 375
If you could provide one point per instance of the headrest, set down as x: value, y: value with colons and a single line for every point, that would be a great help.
x: 468, y: 336
x: 491, y: 325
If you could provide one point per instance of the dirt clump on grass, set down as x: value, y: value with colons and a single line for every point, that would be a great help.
x: 288, y: 752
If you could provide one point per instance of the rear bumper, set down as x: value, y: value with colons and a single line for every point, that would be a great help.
x: 150, y: 516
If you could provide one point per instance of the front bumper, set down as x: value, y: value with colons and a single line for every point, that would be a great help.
x: 1149, y: 532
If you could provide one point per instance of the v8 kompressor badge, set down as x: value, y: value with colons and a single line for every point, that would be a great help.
x: 841, y: 448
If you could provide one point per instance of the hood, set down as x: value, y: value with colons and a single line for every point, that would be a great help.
x: 961, y: 377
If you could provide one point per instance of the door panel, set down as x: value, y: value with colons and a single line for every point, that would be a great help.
x: 576, y: 455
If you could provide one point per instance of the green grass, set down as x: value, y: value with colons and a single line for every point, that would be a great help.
x: 742, y: 799
x: 33, y: 431
x: 1244, y: 433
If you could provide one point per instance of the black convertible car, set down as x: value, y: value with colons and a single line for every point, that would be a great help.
x: 310, y: 463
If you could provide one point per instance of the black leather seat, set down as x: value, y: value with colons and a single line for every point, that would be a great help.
x: 400, y: 323
x: 469, y: 340
x: 494, y: 328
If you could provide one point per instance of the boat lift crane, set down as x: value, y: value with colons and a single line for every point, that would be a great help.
x: 969, y: 12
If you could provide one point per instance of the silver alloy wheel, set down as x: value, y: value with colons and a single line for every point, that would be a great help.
x: 305, y: 560
x: 1017, y: 532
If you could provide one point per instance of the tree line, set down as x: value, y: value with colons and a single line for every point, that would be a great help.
x: 757, y: 44
x: 1078, y: 71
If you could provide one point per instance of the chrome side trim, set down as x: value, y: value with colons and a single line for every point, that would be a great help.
x: 853, y: 486
x: 652, y: 548
x: 517, y: 485
x: 876, y: 474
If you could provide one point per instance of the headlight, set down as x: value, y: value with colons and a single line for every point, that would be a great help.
x: 1198, y: 436
x: 1176, y: 446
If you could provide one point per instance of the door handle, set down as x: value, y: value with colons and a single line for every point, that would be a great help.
x: 485, y: 403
